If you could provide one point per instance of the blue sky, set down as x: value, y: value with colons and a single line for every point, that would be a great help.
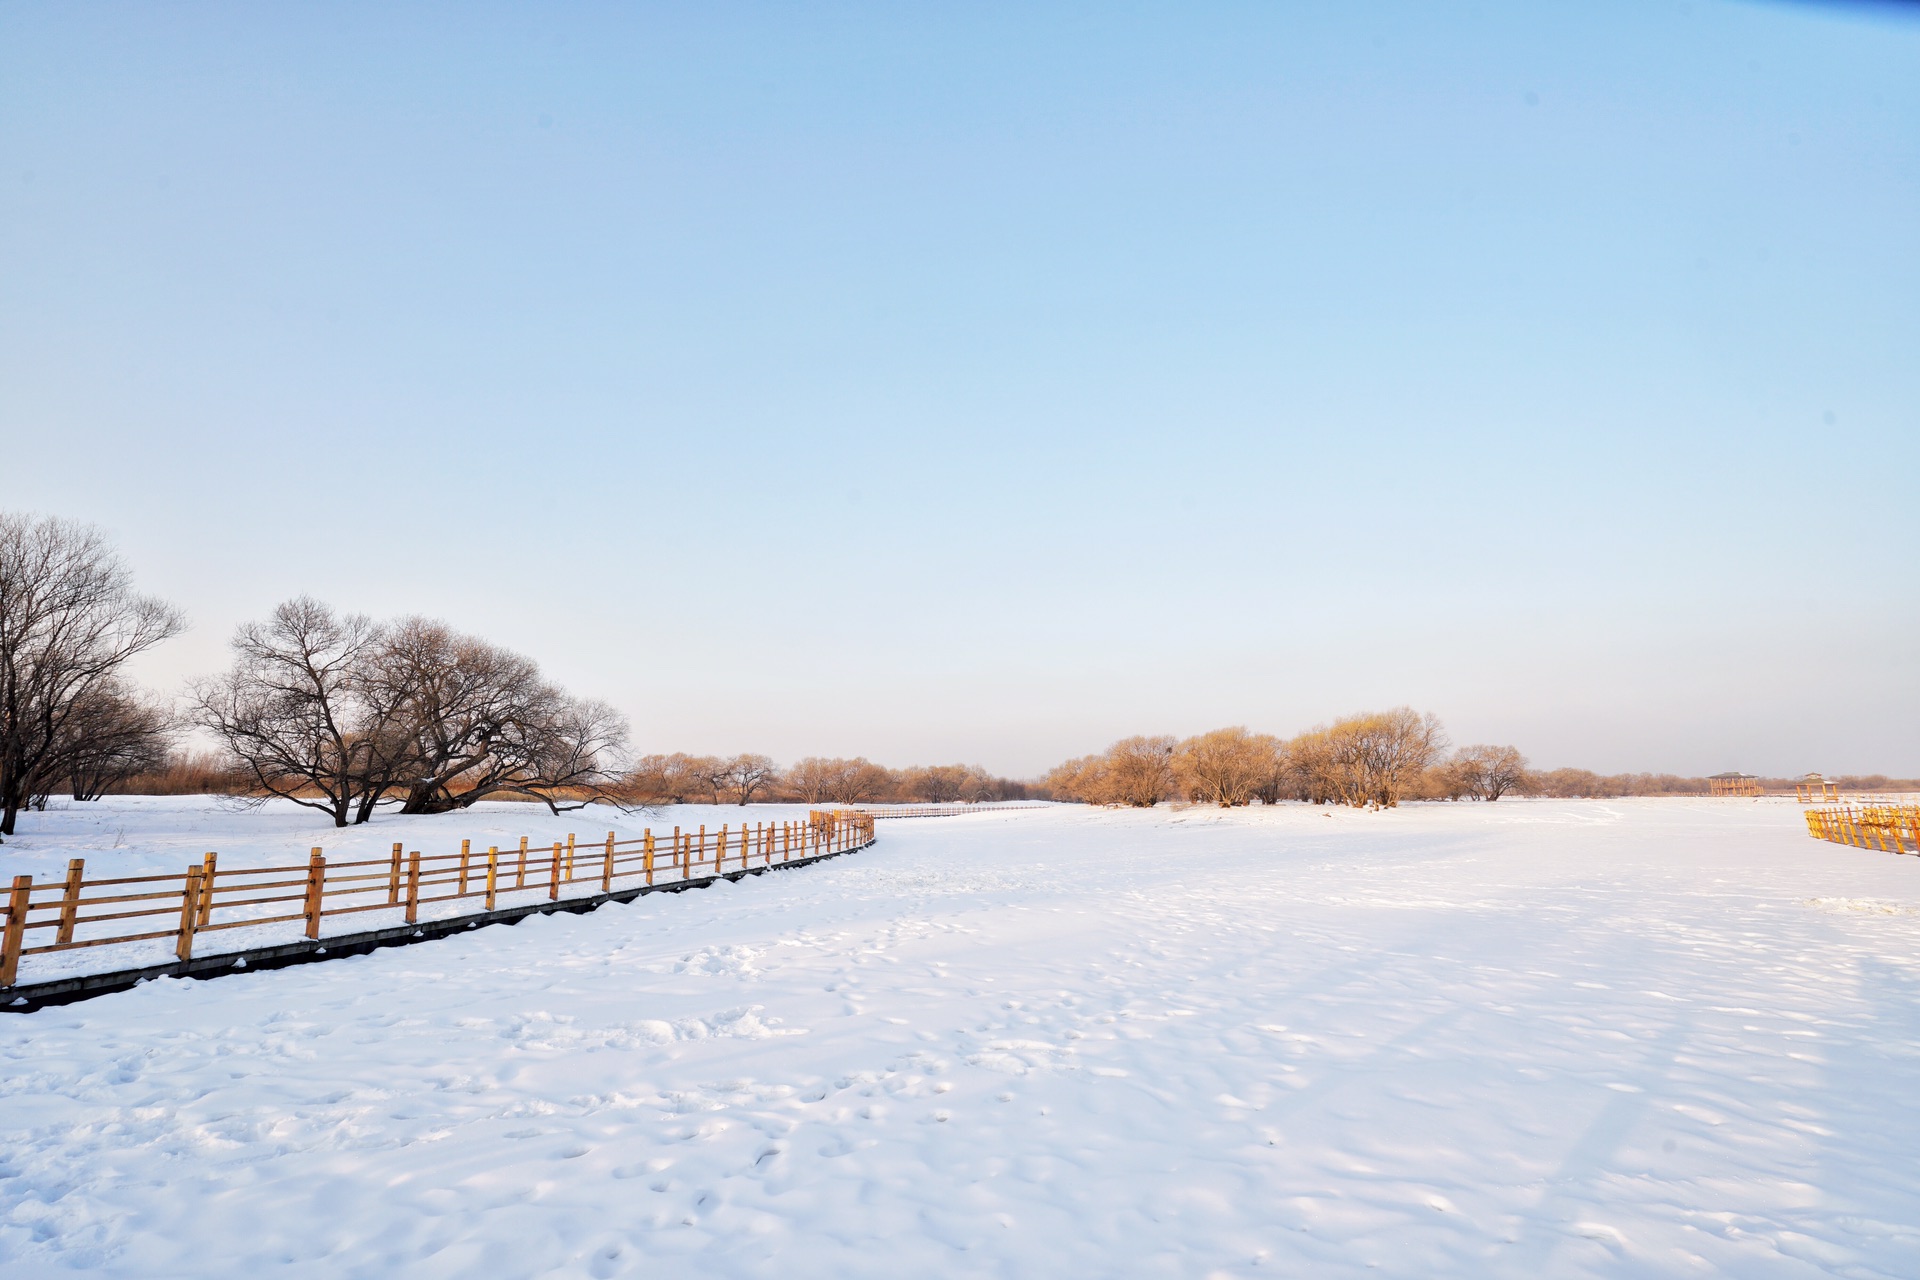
x: 987, y: 382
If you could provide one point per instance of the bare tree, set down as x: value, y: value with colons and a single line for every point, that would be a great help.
x: 936, y: 784
x: 1310, y: 767
x: 568, y: 760
x: 1224, y: 766
x: 478, y: 720
x: 812, y: 779
x: 69, y: 621
x: 1275, y: 779
x: 1489, y: 772
x: 1369, y: 760
x: 860, y: 781
x: 746, y: 775
x: 1083, y: 779
x: 982, y: 787
x: 295, y: 709
x: 457, y: 698
x: 667, y: 779
x: 1399, y: 746
x: 115, y: 734
x: 711, y: 773
x: 1139, y: 770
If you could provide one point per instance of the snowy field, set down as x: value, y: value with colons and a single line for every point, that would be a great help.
x: 1536, y: 1038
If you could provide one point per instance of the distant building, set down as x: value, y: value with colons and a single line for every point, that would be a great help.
x: 1733, y: 784
x: 1815, y: 789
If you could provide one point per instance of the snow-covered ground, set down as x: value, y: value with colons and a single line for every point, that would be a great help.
x: 1625, y: 1038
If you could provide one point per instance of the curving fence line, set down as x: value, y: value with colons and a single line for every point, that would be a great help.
x: 1888, y: 827
x: 422, y: 895
x: 947, y: 810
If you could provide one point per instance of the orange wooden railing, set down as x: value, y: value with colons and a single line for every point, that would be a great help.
x: 77, y: 912
x: 1888, y: 827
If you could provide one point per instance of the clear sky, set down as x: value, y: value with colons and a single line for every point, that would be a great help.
x: 985, y: 382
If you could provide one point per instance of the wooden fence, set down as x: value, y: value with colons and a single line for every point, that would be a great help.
x: 1888, y: 827
x: 946, y: 810
x: 77, y: 912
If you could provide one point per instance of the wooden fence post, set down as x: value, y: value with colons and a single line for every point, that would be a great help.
x: 189, y: 914
x: 553, y: 878
x: 316, y: 891
x: 720, y: 850
x: 647, y: 858
x: 606, y: 871
x: 569, y: 857
x: 701, y: 855
x: 393, y: 878
x: 16, y: 933
x: 209, y: 866
x: 413, y: 887
x: 466, y: 847
x: 493, y: 873
x: 520, y: 875
x: 676, y: 852
x: 70, y: 900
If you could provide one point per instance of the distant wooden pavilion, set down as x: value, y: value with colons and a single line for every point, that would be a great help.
x: 1815, y: 789
x: 1733, y: 784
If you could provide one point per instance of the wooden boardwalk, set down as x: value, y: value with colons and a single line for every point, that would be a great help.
x: 77, y: 913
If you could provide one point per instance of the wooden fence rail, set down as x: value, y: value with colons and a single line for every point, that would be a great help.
x: 946, y: 810
x: 1890, y: 828
x: 75, y: 912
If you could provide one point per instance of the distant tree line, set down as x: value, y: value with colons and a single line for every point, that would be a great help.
x: 1376, y: 759
x: 1373, y: 760
x: 744, y: 779
x: 1574, y: 783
